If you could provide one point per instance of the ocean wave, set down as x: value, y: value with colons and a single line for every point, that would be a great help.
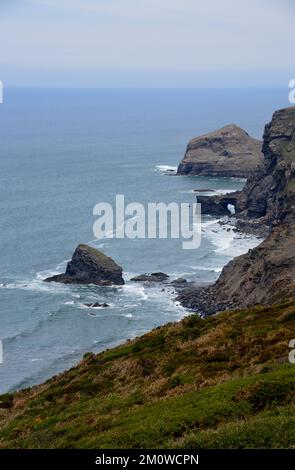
x: 226, y: 241
x: 222, y: 192
x: 166, y: 169
x: 135, y: 290
x: 208, y: 268
x: 127, y: 315
x: 35, y: 285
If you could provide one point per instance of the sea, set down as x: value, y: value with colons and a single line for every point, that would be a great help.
x: 61, y: 152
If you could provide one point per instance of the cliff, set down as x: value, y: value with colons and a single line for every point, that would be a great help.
x: 266, y: 273
x: 219, y: 382
x: 269, y: 194
x: 229, y: 151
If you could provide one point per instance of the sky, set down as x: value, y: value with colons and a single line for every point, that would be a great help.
x: 147, y: 43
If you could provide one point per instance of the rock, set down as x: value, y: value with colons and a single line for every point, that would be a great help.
x: 180, y: 281
x: 97, y: 305
x: 229, y: 151
x: 266, y: 274
x: 203, y: 191
x: 90, y: 266
x: 218, y: 205
x: 153, y: 277
x: 269, y: 195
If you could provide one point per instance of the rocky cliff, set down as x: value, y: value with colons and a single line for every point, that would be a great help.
x: 267, y: 273
x: 229, y: 151
x: 269, y: 194
x: 90, y: 266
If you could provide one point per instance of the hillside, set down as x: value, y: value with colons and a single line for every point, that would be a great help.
x: 221, y: 382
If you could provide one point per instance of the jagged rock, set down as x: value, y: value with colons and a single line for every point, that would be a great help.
x: 269, y: 195
x: 97, y: 305
x: 218, y: 205
x: 153, y: 277
x: 229, y: 151
x: 90, y: 266
x: 266, y: 274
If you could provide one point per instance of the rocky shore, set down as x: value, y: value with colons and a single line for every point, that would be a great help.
x: 266, y: 205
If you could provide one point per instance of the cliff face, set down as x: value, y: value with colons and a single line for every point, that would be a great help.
x: 267, y: 273
x: 229, y: 151
x: 264, y: 275
x: 269, y: 194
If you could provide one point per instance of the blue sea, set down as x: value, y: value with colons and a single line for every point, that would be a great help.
x: 61, y: 152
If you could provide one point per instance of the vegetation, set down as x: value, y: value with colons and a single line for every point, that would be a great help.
x: 221, y: 382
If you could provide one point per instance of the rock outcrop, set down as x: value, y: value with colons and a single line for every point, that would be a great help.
x: 153, y: 277
x: 269, y: 195
x: 229, y: 151
x: 90, y: 266
x: 265, y: 274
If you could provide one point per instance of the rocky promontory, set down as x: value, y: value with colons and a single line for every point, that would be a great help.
x: 90, y: 266
x: 269, y: 194
x: 229, y: 151
x: 266, y: 274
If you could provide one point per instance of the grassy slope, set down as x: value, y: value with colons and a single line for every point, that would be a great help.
x: 220, y: 382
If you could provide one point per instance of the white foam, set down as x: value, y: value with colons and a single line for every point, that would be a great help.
x: 228, y: 242
x: 208, y: 268
x: 46, y: 273
x: 222, y: 192
x: 135, y: 289
x: 166, y: 169
x: 36, y: 285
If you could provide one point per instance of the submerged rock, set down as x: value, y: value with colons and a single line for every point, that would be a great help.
x: 90, y: 266
x: 229, y: 152
x: 97, y: 305
x: 153, y: 277
x: 180, y: 281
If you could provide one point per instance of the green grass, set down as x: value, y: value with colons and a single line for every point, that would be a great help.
x: 288, y: 151
x: 220, y: 382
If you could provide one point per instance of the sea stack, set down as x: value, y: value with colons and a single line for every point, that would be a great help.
x: 228, y: 152
x: 90, y: 266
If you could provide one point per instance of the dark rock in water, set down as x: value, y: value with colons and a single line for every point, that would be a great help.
x: 229, y: 151
x: 203, y: 191
x: 97, y: 305
x: 90, y: 266
x: 180, y: 281
x: 153, y: 277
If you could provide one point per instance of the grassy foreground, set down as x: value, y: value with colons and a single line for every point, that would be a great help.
x: 216, y: 383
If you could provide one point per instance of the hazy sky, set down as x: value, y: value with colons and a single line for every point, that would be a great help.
x: 147, y: 42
